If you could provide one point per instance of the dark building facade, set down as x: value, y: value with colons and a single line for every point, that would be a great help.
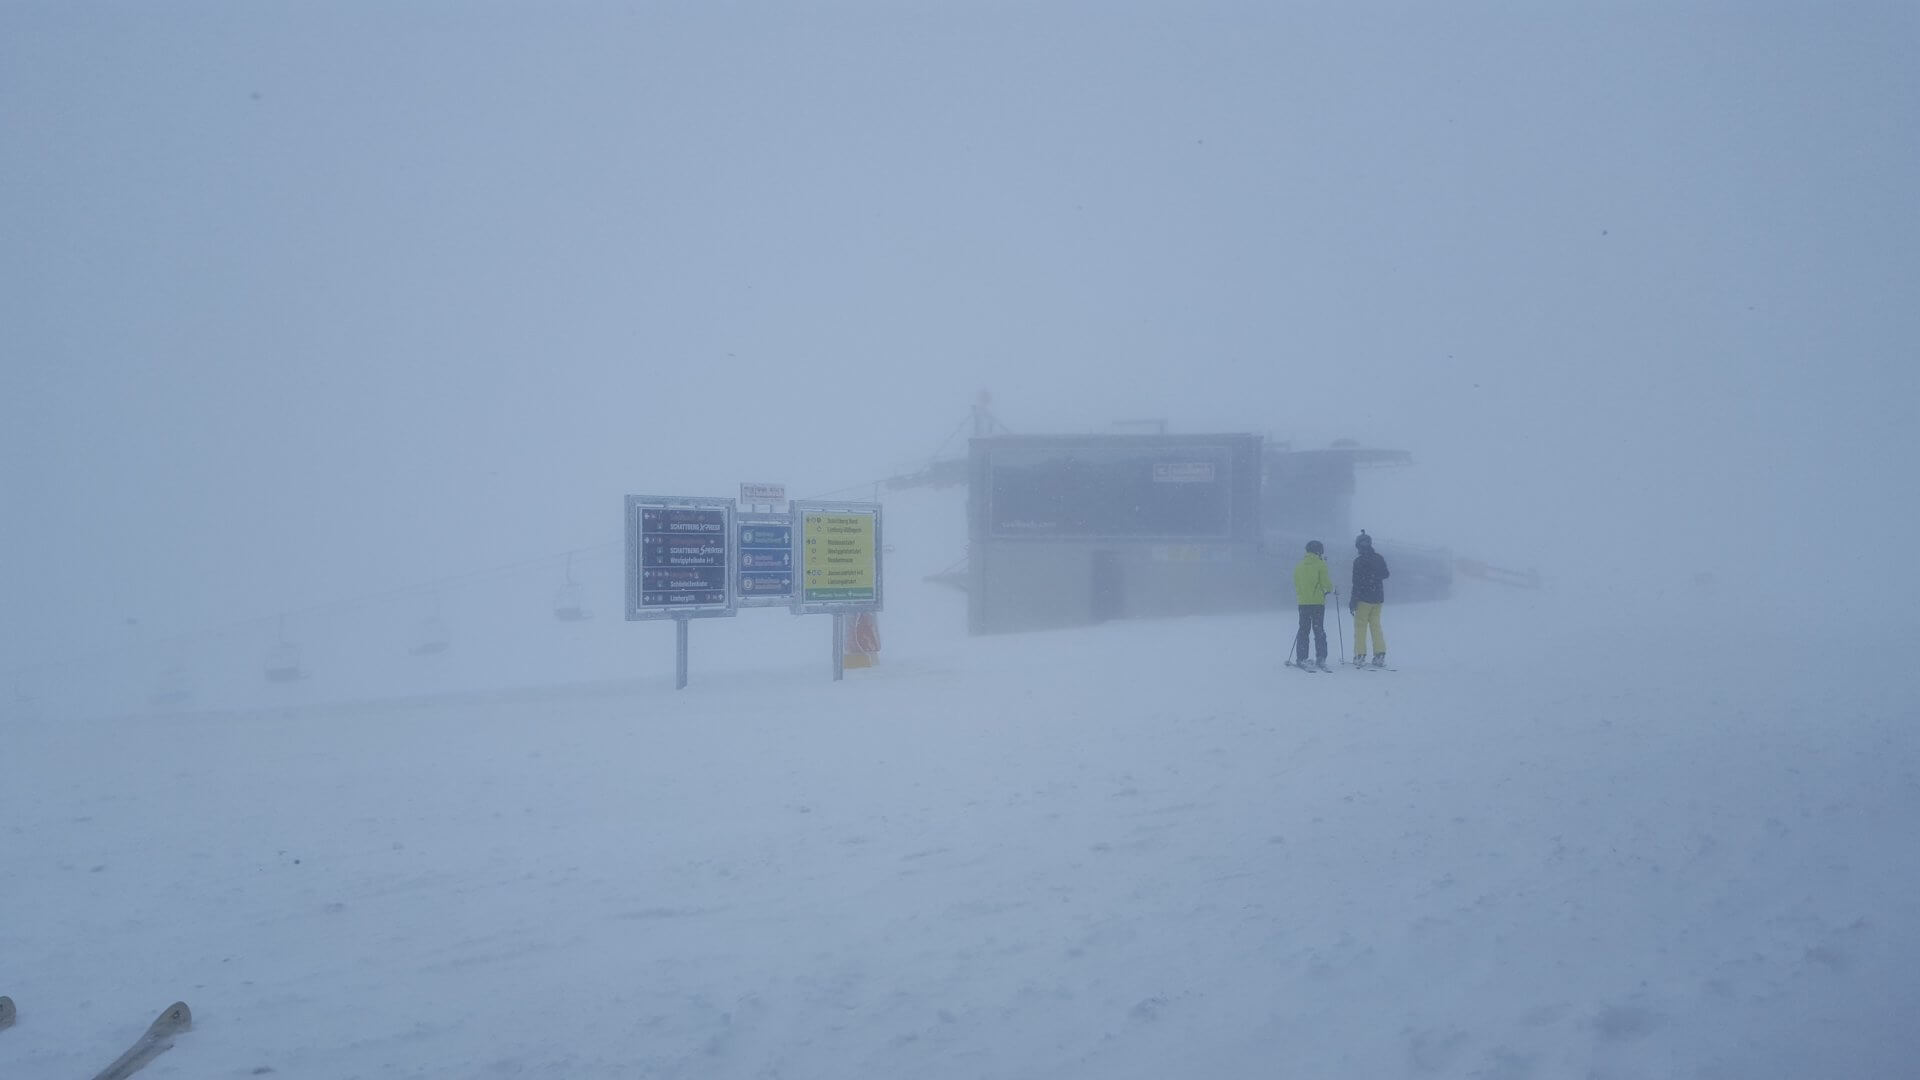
x: 1069, y: 530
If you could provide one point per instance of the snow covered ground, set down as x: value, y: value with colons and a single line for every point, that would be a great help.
x: 1141, y: 850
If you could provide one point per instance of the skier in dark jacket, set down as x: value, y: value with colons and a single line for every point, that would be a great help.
x: 1369, y: 594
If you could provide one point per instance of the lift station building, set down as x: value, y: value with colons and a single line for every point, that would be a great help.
x: 1070, y: 530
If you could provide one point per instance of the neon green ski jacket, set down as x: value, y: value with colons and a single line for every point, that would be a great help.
x: 1311, y: 583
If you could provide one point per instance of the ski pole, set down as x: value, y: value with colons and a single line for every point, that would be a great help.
x: 1338, y: 626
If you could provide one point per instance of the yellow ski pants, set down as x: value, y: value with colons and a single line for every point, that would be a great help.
x: 1364, y: 616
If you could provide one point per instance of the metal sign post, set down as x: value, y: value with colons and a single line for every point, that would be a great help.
x: 681, y: 564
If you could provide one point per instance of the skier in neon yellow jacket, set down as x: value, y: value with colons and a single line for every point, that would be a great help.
x: 1311, y: 584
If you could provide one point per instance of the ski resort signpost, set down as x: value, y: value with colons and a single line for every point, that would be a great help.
x: 766, y: 559
x: 699, y: 558
x: 837, y: 555
x: 681, y: 561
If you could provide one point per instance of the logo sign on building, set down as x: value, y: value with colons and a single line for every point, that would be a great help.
x: 766, y: 559
x: 1183, y: 472
x: 680, y: 557
x: 838, y: 552
x: 763, y: 494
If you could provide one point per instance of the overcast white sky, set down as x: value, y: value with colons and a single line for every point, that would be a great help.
x: 301, y: 300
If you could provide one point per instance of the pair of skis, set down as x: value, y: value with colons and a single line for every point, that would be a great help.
x: 1315, y: 669
x: 158, y: 1038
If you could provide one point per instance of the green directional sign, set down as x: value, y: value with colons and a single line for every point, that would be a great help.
x: 839, y: 554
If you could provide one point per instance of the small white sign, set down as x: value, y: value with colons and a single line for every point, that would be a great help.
x: 758, y: 494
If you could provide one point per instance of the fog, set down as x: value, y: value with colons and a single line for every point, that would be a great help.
x: 307, y: 302
x: 328, y: 323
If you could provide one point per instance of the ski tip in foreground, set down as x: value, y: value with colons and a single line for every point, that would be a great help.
x: 7, y: 1011
x: 177, y: 1017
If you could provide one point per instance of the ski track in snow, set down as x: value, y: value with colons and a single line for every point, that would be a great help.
x: 1138, y: 850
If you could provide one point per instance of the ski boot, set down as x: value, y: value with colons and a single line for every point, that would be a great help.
x: 1379, y: 659
x: 1322, y: 664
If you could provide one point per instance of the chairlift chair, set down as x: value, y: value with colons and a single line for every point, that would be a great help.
x: 174, y: 687
x: 569, y: 604
x: 433, y: 638
x: 283, y: 663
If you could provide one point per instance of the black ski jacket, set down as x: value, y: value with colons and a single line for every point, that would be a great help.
x: 1369, y: 577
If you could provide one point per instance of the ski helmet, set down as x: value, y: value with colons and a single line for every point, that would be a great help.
x: 1316, y: 547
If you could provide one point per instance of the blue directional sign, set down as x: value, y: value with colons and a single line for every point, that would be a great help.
x: 766, y: 559
x: 679, y: 560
